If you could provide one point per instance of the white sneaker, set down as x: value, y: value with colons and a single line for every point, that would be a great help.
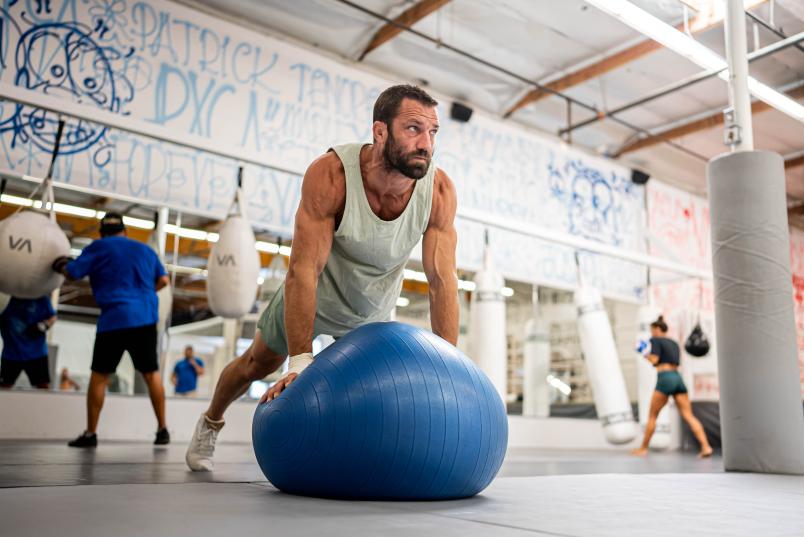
x: 202, y: 446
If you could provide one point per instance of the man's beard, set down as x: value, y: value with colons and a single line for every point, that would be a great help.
x: 405, y: 163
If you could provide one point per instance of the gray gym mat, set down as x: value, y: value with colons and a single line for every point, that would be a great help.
x: 568, y: 506
x: 39, y: 463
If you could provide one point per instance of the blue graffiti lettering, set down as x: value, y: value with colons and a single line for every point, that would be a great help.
x: 168, y: 79
x: 188, y: 27
x: 145, y: 20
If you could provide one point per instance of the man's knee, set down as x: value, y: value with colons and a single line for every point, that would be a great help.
x: 99, y: 378
x: 261, y: 360
x: 149, y: 375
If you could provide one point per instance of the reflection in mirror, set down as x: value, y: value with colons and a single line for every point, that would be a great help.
x: 560, y: 387
x: 184, y: 242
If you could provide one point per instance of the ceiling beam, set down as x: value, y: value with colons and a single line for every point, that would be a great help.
x: 407, y: 19
x: 708, y: 18
x: 712, y: 120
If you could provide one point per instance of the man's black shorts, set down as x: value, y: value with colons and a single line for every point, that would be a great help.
x: 37, y: 370
x: 140, y: 342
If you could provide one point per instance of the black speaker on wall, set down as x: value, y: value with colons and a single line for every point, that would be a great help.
x: 460, y: 112
x: 639, y: 177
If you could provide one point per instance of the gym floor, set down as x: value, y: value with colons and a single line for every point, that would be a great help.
x: 124, y: 489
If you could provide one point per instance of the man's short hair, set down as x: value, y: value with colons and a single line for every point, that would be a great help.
x: 111, y: 224
x: 386, y: 107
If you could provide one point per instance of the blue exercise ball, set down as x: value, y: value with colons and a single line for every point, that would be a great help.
x: 389, y: 411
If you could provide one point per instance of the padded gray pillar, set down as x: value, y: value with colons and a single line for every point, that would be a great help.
x: 760, y: 394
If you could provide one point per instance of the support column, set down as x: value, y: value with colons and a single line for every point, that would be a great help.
x: 762, y: 424
x: 737, y: 57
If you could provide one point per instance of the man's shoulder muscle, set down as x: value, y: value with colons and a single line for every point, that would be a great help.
x: 324, y: 184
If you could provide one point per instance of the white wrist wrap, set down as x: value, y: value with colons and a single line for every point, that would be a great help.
x: 297, y: 364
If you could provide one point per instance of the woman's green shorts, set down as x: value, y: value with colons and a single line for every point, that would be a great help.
x: 670, y: 383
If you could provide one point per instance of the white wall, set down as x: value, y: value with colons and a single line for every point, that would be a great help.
x: 60, y: 415
x: 567, y: 433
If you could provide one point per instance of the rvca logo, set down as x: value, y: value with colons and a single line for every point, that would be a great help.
x: 19, y: 244
x: 226, y: 260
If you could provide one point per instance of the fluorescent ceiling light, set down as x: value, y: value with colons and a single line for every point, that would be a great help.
x: 73, y: 210
x: 187, y: 233
x: 559, y: 384
x: 181, y: 269
x: 679, y: 42
x: 201, y: 235
x: 267, y: 247
x: 466, y: 285
x: 463, y: 285
x: 415, y: 275
x: 136, y: 222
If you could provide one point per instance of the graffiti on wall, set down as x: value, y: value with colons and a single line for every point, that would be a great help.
x: 200, y: 76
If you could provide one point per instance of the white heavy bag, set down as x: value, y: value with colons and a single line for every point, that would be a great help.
x: 487, y: 342
x: 646, y: 382
x: 29, y: 243
x: 603, y: 367
x: 536, y: 391
x: 233, y: 268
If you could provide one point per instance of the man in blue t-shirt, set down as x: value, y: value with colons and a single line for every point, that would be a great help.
x: 23, y: 324
x: 186, y: 373
x: 124, y: 275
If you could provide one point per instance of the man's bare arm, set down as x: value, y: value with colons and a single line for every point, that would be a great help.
x: 321, y: 199
x: 438, y: 256
x: 161, y: 282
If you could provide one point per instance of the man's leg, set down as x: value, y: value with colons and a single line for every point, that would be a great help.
x: 9, y: 372
x: 96, y: 393
x: 38, y: 372
x: 141, y: 343
x: 106, y: 354
x: 257, y: 362
x: 157, y: 393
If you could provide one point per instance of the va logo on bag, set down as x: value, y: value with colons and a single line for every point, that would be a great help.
x: 224, y: 260
x: 19, y: 244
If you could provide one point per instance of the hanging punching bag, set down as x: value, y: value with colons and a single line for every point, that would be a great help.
x: 646, y: 380
x: 29, y: 243
x: 603, y: 367
x: 697, y: 344
x: 233, y: 267
x: 487, y: 341
x: 536, y: 392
